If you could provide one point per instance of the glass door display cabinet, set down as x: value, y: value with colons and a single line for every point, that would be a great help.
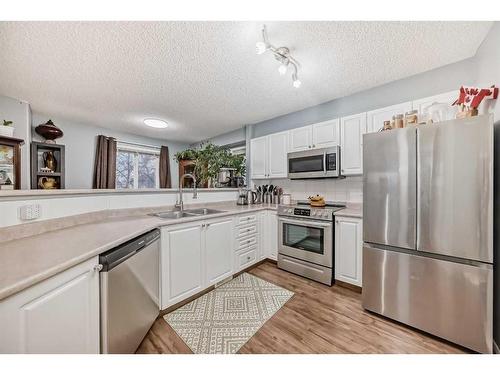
x: 10, y: 163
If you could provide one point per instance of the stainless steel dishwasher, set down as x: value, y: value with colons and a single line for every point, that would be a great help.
x: 130, y: 284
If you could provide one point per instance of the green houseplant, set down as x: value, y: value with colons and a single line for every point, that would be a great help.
x: 210, y: 158
x: 7, y: 129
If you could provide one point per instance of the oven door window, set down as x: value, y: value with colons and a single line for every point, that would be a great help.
x: 303, y: 237
x: 306, y: 164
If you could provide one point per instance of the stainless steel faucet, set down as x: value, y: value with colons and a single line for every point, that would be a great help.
x: 180, y: 203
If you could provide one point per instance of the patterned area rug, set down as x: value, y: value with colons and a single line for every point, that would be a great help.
x: 221, y: 321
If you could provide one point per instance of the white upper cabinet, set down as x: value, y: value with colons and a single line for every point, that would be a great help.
x: 326, y: 134
x: 57, y: 316
x: 277, y: 155
x: 320, y: 135
x: 376, y: 118
x: 218, y: 250
x: 301, y: 138
x: 259, y: 157
x: 268, y: 156
x: 352, y: 129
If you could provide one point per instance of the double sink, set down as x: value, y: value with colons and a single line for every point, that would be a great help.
x: 186, y: 213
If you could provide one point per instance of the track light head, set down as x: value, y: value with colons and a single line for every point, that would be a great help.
x: 282, y: 54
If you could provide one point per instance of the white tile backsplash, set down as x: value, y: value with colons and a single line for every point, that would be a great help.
x: 349, y: 189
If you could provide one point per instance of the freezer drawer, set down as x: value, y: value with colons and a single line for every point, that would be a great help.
x: 390, y: 187
x: 447, y: 299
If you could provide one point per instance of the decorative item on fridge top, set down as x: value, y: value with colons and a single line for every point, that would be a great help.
x: 437, y: 112
x: 470, y: 98
x: 49, y: 131
x: 7, y: 129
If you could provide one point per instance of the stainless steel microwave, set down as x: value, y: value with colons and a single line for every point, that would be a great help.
x: 317, y: 163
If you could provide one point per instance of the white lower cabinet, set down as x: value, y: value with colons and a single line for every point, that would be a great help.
x: 181, y: 263
x: 264, y: 235
x: 268, y: 222
x: 59, y: 315
x: 248, y: 240
x: 193, y: 257
x: 272, y: 228
x: 218, y: 250
x: 348, y: 249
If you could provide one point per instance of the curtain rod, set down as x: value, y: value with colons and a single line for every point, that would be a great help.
x: 138, y: 144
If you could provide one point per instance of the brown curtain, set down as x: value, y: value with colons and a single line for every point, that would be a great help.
x: 105, y: 163
x: 165, y: 181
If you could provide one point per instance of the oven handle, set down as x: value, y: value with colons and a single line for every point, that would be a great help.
x: 302, y: 222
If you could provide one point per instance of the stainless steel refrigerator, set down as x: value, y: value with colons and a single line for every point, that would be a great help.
x: 428, y: 228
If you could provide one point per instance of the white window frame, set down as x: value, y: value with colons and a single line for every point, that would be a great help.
x: 139, y: 149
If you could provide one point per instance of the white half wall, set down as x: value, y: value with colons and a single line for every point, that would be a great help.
x: 53, y: 207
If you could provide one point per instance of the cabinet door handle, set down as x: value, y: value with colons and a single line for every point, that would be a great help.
x: 248, y: 257
x: 207, y: 225
x: 97, y: 268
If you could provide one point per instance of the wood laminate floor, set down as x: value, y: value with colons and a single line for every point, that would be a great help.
x: 317, y: 319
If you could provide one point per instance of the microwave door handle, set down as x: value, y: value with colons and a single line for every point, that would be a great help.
x: 324, y: 162
x: 305, y: 222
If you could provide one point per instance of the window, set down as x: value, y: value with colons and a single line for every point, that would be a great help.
x: 137, y: 167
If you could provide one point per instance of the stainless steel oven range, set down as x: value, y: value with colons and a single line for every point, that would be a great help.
x: 306, y: 240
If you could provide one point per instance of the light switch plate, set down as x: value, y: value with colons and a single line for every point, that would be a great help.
x: 29, y: 212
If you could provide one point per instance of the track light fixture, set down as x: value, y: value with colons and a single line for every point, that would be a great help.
x: 282, y: 54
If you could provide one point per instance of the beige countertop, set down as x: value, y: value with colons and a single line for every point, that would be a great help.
x: 27, y: 261
x: 351, y: 210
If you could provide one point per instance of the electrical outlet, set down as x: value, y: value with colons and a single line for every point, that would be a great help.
x: 29, y: 212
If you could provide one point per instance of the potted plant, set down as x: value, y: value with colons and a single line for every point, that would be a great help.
x: 209, y: 159
x: 7, y: 129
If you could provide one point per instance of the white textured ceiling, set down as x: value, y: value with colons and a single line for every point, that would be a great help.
x: 204, y: 77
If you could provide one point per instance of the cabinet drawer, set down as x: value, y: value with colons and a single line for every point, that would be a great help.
x: 247, y: 219
x: 246, y: 230
x: 246, y: 242
x: 247, y: 258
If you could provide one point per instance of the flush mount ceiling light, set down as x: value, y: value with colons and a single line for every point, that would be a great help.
x: 156, y: 123
x: 282, y: 54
